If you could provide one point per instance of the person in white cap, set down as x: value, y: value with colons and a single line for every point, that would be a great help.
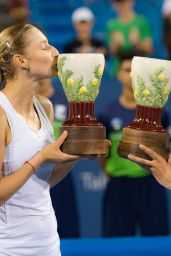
x: 84, y: 42
x: 166, y: 7
x: 166, y: 11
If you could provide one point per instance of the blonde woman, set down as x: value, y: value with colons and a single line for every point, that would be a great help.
x: 27, y: 147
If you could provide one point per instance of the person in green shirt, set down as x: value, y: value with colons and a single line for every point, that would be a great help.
x: 128, y: 31
x: 132, y: 199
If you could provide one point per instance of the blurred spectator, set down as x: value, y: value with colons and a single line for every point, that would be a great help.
x: 63, y: 195
x: 166, y: 10
x: 128, y: 31
x: 5, y: 19
x: 84, y: 42
x: 18, y: 11
x: 133, y: 199
x: 13, y: 12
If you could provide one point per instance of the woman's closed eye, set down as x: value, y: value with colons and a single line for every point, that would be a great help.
x: 46, y: 47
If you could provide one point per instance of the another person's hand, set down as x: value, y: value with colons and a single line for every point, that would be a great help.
x: 52, y: 152
x: 160, y: 168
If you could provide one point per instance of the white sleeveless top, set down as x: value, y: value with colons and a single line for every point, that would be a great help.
x: 27, y: 222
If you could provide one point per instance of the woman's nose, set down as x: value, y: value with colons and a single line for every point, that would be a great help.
x: 55, y: 52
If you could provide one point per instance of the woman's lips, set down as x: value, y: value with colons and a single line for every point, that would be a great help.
x: 55, y: 67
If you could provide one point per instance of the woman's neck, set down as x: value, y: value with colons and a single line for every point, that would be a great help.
x: 20, y: 94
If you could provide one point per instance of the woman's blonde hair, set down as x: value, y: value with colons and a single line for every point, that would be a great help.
x: 12, y: 40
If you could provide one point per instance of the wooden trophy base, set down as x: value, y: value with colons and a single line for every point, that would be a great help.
x: 85, y: 140
x: 131, y: 138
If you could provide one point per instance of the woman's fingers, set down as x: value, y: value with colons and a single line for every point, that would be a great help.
x: 63, y: 156
x: 140, y: 160
x: 66, y: 157
x: 156, y: 161
x: 145, y: 162
x: 62, y: 138
x: 150, y: 152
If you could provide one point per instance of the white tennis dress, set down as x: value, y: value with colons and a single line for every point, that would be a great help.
x: 28, y: 224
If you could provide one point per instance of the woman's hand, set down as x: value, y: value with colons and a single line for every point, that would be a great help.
x: 52, y: 152
x: 160, y: 168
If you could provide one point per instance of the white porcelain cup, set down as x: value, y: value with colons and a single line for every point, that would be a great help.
x: 151, y: 81
x: 80, y: 75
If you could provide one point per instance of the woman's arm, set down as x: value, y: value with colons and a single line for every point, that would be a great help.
x: 160, y: 168
x: 60, y: 171
x: 10, y: 184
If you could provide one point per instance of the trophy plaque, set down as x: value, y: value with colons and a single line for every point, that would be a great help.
x: 80, y: 76
x: 151, y: 85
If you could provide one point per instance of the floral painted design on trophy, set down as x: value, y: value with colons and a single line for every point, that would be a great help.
x: 76, y: 89
x: 150, y: 99
x: 155, y: 95
x: 81, y: 94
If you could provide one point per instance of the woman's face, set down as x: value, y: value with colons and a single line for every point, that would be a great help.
x: 39, y: 54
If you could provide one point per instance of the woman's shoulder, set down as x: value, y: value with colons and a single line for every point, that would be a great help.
x: 3, y: 117
x: 5, y: 134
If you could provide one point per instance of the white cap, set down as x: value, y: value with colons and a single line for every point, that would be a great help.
x: 82, y: 14
x: 166, y: 8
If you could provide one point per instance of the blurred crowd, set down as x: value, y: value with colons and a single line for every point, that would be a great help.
x: 132, y: 197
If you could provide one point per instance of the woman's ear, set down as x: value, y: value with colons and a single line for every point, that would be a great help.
x: 20, y: 61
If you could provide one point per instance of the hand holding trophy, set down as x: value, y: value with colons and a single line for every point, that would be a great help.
x: 151, y: 85
x: 80, y: 76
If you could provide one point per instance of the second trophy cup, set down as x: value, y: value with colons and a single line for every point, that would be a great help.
x: 151, y: 85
